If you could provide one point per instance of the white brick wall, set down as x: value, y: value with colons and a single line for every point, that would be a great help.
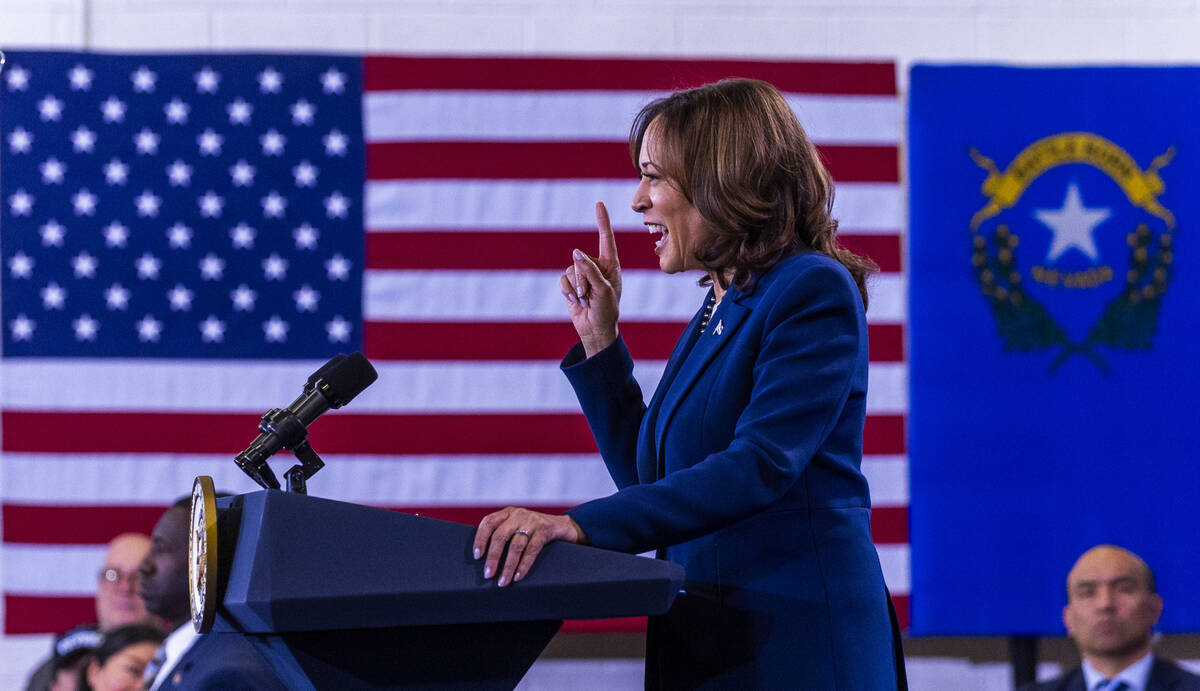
x: 1047, y: 31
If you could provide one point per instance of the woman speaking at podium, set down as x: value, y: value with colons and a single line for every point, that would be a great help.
x: 745, y: 465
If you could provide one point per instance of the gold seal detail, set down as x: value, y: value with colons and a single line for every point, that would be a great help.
x: 202, y: 554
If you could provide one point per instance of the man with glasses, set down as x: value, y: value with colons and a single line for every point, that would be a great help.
x: 117, y: 599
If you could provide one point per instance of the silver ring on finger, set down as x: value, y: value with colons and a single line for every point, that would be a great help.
x: 521, y: 531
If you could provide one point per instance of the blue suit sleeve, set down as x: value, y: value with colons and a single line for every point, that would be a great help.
x: 612, y: 403
x: 813, y: 341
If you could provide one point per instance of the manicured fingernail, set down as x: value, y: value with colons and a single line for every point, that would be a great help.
x: 586, y: 303
x: 577, y: 254
x: 477, y: 553
x: 487, y: 572
x: 571, y: 298
x: 502, y: 582
x: 517, y: 576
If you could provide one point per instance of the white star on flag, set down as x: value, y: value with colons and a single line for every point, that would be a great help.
x: 306, y: 299
x: 20, y: 141
x: 147, y: 142
x: 212, y: 330
x: 50, y: 109
x: 336, y: 205
x: 84, y: 265
x: 149, y: 329
x: 20, y: 265
x: 54, y: 296
x: 211, y: 204
x: 242, y: 174
x: 269, y: 81
x: 116, y: 172
x: 306, y: 237
x: 333, y: 81
x: 117, y: 297
x: 148, y: 266
x: 1072, y: 225
x: 305, y: 174
x: 177, y: 112
x: 239, y: 112
x: 272, y: 143
x: 274, y: 205
x: 337, y: 268
x: 147, y: 204
x: 335, y: 143
x: 303, y: 112
x: 84, y: 203
x: 113, y: 110
x: 212, y: 267
x: 179, y: 236
x: 210, y: 142
x: 275, y: 329
x: 179, y: 174
x: 80, y: 78
x: 115, y: 234
x: 338, y: 330
x: 275, y: 267
x: 84, y: 140
x: 53, y: 171
x: 242, y: 236
x: 53, y: 234
x: 85, y: 327
x: 207, y: 81
x: 143, y: 80
x: 243, y: 298
x: 22, y: 328
x: 180, y: 298
x: 18, y: 79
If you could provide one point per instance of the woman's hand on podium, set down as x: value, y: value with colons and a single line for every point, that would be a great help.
x: 524, y: 533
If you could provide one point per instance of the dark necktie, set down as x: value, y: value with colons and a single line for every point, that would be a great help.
x: 1111, y: 685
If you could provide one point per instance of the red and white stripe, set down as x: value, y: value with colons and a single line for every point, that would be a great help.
x: 482, y: 174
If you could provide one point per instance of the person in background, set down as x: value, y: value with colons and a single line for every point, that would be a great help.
x: 118, y: 664
x: 72, y: 652
x: 117, y: 599
x: 187, y: 659
x: 1112, y: 607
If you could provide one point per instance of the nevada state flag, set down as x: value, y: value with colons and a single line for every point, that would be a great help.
x: 1054, y: 318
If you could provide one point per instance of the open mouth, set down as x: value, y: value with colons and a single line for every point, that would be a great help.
x: 662, y: 241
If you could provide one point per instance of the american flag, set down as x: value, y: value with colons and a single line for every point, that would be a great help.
x: 186, y: 237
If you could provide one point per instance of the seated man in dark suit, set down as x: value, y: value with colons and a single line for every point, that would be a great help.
x: 188, y: 660
x: 1111, y: 608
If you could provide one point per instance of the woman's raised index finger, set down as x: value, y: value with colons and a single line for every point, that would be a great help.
x: 608, y: 243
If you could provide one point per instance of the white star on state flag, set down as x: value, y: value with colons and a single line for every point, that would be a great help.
x: 179, y: 236
x: 18, y: 78
x: 54, y: 296
x: 275, y: 329
x: 84, y: 202
x: 180, y: 298
x: 333, y: 81
x: 80, y: 78
x: 85, y: 327
x: 53, y: 171
x: 113, y: 109
x: 269, y: 81
x: 115, y: 234
x: 207, y: 80
x: 177, y: 111
x: 22, y: 328
x: 117, y: 297
x: 116, y: 172
x: 212, y: 330
x: 50, y: 109
x: 212, y: 267
x: 149, y: 329
x: 1072, y: 225
x: 148, y: 266
x: 20, y: 265
x: 143, y: 80
x: 53, y: 234
x: 20, y: 141
x: 84, y: 265
x: 243, y: 298
x: 338, y: 330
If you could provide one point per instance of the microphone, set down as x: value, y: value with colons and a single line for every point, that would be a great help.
x: 334, y: 385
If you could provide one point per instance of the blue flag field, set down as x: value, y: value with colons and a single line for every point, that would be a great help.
x: 1054, y: 317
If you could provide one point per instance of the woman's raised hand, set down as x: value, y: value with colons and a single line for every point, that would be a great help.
x: 592, y: 287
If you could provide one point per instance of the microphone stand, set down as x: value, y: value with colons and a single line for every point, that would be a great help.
x: 285, y: 425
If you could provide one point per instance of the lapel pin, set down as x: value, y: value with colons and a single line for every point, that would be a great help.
x: 720, y: 327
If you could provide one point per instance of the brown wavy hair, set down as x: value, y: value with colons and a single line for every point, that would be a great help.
x: 735, y: 149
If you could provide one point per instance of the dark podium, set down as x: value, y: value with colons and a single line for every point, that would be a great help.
x: 343, y: 596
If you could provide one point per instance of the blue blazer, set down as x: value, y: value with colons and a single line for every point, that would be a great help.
x: 224, y: 661
x: 1165, y: 675
x: 745, y: 469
